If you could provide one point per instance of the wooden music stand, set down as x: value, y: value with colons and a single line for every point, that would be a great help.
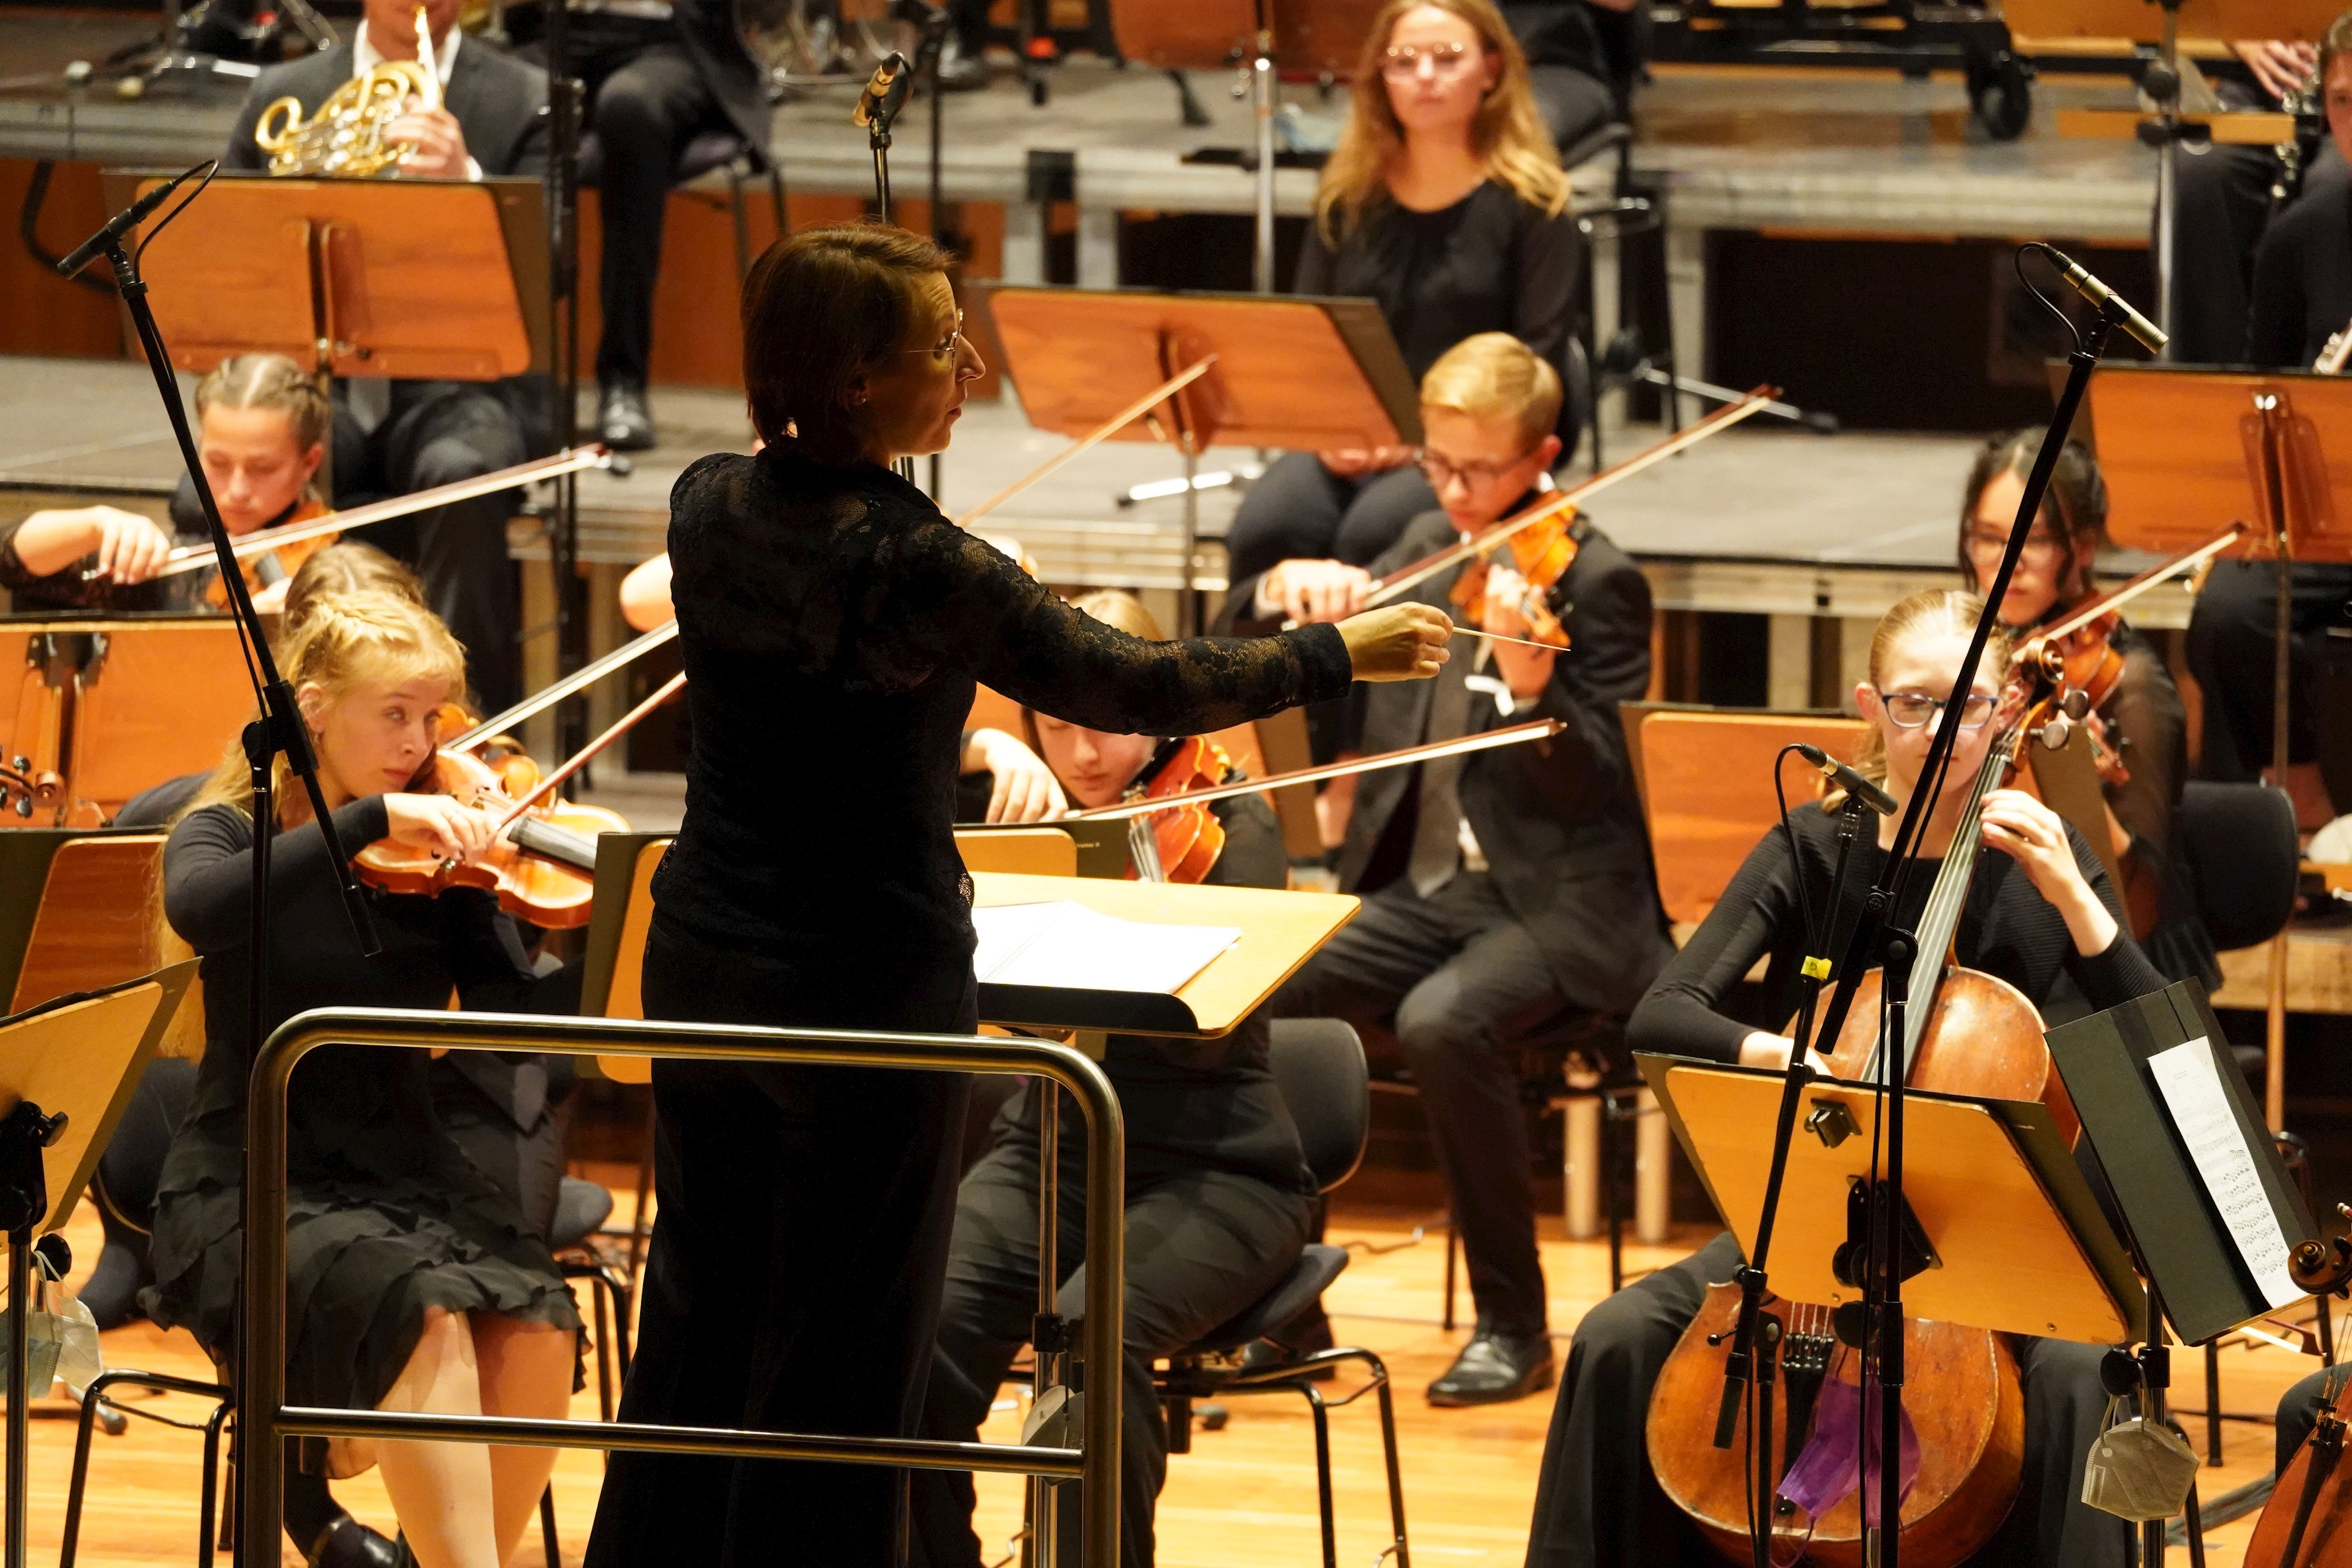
x: 82, y: 1055
x: 2184, y: 448
x: 420, y: 279
x: 76, y: 912
x: 1078, y: 355
x: 1315, y: 37
x: 2020, y: 1245
x: 114, y: 706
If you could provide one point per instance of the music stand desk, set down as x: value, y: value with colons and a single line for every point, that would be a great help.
x: 2020, y: 1243
x: 422, y: 279
x: 1280, y: 931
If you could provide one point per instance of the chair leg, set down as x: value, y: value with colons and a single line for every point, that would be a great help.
x: 1453, y: 1245
x: 1612, y: 1147
x: 93, y: 1399
x: 600, y: 1294
x: 776, y: 199
x: 547, y: 1526
x: 210, y: 1494
x: 624, y: 1300
x: 1389, y: 1450
x: 80, y: 1474
x: 1322, y: 1412
x: 743, y: 222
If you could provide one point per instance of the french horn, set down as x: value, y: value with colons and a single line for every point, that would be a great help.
x: 346, y: 136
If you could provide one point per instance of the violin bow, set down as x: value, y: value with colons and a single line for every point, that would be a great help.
x: 547, y: 696
x: 1511, y: 735
x: 2116, y: 598
x: 587, y: 754
x: 193, y: 558
x: 1094, y: 437
x: 1406, y: 578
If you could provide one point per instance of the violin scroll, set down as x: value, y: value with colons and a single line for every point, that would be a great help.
x: 2323, y: 1267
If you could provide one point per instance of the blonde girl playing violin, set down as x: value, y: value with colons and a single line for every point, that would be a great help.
x: 418, y: 1285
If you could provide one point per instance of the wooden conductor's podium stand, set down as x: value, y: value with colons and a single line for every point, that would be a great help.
x: 1078, y: 355
x: 1280, y: 931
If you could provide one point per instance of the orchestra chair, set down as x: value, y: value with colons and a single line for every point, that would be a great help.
x: 1320, y: 1065
x: 704, y: 152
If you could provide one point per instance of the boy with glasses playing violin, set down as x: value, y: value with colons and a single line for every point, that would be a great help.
x: 1503, y: 887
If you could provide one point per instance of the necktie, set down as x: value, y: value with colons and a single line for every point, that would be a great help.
x: 1437, y: 831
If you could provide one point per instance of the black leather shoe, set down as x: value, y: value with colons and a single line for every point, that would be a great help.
x: 623, y: 420
x: 348, y: 1543
x: 1494, y: 1368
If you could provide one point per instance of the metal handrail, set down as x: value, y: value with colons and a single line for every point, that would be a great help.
x: 261, y: 1367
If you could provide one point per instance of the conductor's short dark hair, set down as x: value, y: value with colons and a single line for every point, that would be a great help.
x: 820, y: 308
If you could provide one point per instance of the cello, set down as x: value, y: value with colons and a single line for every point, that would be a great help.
x: 1967, y: 1033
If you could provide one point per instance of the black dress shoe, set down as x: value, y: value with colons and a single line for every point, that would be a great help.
x: 348, y: 1543
x: 623, y: 420
x: 1494, y: 1368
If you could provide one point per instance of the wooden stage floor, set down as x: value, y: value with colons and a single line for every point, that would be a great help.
x: 1245, y: 1495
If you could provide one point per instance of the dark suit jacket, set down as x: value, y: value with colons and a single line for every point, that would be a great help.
x: 1557, y: 820
x: 707, y: 29
x: 500, y: 103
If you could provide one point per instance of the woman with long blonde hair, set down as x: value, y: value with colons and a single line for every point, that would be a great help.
x: 1445, y: 202
x: 416, y: 1283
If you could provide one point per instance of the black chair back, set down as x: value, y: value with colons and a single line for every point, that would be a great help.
x: 1320, y: 1065
x: 2243, y: 855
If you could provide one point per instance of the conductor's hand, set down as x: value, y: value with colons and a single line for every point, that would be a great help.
x: 1397, y: 641
x: 436, y: 144
x: 1302, y: 591
x: 2281, y: 68
x: 439, y: 823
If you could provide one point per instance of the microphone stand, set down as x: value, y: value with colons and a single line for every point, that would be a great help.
x: 1752, y: 1346
x: 563, y: 198
x: 278, y: 730
x: 877, y: 107
x: 1883, y: 1282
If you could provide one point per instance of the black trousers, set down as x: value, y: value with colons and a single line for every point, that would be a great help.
x: 438, y: 433
x: 2232, y: 641
x: 1597, y: 1499
x: 1201, y: 1247
x: 2221, y: 203
x: 1298, y: 510
x: 1454, y: 972
x: 2298, y: 1412
x: 794, y: 1280
x: 647, y: 102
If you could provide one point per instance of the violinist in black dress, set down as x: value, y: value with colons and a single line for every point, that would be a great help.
x: 413, y: 1283
x: 794, y: 1282
x: 2039, y: 910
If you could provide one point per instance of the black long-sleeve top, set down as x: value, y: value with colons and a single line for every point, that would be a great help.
x: 834, y: 624
x: 2303, y: 273
x: 2006, y: 929
x: 68, y: 589
x: 356, y: 1112
x: 1489, y: 263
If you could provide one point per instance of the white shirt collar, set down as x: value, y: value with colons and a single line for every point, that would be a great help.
x: 364, y: 54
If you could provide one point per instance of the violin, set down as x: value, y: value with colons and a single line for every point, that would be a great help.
x: 1180, y: 842
x: 1964, y: 1032
x: 275, y: 565
x: 541, y: 865
x: 1542, y: 552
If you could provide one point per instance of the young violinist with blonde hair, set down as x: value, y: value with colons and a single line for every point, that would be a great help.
x: 416, y: 1284
x: 1218, y: 1197
x: 1502, y: 888
x: 2040, y: 912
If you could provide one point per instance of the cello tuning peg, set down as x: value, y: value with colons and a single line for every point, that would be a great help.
x: 2076, y: 703
x: 2054, y: 734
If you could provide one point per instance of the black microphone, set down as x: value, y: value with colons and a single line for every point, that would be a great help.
x: 884, y: 95
x: 122, y: 223
x: 2151, y: 336
x: 1847, y: 780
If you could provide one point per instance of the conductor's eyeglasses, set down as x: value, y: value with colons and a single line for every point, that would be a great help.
x: 1445, y: 61
x: 1909, y: 710
x: 945, y: 350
